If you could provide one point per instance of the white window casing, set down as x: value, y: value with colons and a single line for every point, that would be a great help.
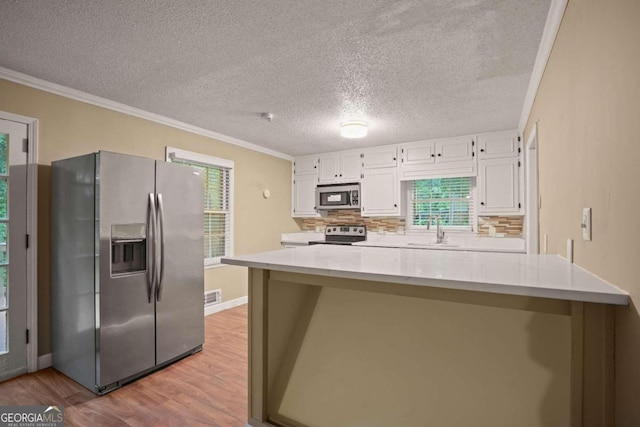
x: 218, y: 202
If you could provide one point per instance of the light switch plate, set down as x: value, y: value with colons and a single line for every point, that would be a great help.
x: 586, y: 223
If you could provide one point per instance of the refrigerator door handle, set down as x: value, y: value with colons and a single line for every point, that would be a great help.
x: 151, y: 247
x: 161, y: 233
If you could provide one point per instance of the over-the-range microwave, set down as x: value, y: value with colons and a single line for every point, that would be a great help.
x: 338, y: 196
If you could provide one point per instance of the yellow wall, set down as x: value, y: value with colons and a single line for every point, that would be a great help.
x: 69, y: 128
x: 422, y: 362
x: 588, y: 108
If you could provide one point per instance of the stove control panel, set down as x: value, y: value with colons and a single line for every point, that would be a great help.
x: 345, y: 230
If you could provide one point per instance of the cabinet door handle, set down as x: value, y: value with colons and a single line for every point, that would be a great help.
x: 482, y: 150
x: 439, y: 154
x: 394, y: 159
x: 336, y: 175
x: 433, y: 155
x: 482, y: 203
x: 395, y: 205
x: 340, y: 174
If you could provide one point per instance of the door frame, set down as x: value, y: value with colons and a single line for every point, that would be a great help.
x: 32, y: 231
x: 531, y: 192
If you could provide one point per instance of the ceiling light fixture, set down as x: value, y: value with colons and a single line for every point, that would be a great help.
x: 353, y: 129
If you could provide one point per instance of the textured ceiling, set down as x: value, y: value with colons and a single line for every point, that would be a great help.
x: 412, y: 69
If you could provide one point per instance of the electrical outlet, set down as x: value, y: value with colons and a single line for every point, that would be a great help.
x: 586, y: 223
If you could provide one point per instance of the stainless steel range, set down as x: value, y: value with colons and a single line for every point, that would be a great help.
x: 342, y: 235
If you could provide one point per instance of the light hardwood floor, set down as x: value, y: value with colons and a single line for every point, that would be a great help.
x: 206, y: 389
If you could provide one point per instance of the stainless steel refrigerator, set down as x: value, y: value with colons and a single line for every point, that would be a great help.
x: 127, y: 267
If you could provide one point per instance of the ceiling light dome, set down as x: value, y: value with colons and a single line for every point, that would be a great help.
x: 353, y: 129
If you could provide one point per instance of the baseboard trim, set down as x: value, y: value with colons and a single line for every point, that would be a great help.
x: 45, y: 361
x: 225, y: 305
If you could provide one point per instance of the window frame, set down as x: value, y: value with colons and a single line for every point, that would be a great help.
x: 473, y: 214
x: 172, y: 153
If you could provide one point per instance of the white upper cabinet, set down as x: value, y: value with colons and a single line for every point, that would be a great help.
x: 494, y: 158
x: 380, y: 192
x: 334, y: 168
x: 328, y: 167
x: 454, y: 150
x: 418, y: 153
x: 305, y: 178
x: 304, y: 195
x: 438, y: 159
x: 305, y: 165
x: 498, y: 185
x: 498, y: 145
x: 350, y: 166
x: 380, y: 157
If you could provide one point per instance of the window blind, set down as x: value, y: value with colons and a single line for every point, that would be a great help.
x: 217, y: 210
x: 449, y: 199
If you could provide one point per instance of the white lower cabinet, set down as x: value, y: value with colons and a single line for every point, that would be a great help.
x: 304, y: 195
x: 499, y: 186
x: 380, y: 192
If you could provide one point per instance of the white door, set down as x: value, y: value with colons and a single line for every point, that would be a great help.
x: 13, y: 252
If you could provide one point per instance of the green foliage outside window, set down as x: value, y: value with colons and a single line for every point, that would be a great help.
x: 448, y: 199
x: 4, y: 204
x: 4, y: 169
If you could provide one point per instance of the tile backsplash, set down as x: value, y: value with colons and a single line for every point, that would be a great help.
x: 351, y: 216
x: 504, y: 226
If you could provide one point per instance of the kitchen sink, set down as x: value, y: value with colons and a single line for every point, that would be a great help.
x: 431, y: 245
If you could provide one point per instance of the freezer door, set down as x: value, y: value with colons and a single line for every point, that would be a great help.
x: 180, y: 296
x: 125, y: 318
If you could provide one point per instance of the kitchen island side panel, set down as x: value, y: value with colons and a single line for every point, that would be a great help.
x: 379, y: 360
x: 359, y: 352
x: 72, y: 268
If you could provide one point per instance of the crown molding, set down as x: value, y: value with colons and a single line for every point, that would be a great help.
x: 551, y: 28
x: 78, y: 95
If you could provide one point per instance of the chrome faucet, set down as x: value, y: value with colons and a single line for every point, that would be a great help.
x: 439, y: 232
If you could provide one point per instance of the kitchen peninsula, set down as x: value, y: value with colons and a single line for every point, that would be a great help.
x: 346, y: 336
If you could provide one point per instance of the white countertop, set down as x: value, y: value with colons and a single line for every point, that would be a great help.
x: 300, y: 238
x: 546, y: 276
x: 454, y: 241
